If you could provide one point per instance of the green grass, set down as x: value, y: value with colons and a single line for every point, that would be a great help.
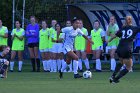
x: 33, y: 82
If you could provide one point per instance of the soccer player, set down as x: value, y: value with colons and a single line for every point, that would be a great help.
x: 52, y: 48
x: 70, y: 34
x: 80, y: 47
x: 111, y: 30
x: 43, y: 46
x: 59, y: 46
x: 4, y: 50
x: 18, y: 41
x: 3, y: 34
x: 124, y: 49
x: 98, y: 36
x: 68, y: 23
x: 137, y: 43
x: 32, y: 35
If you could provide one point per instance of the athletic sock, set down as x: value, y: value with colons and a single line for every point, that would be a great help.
x: 113, y: 64
x: 70, y: 66
x: 44, y: 65
x: 38, y: 64
x: 98, y: 64
x: 117, y: 69
x: 75, y: 66
x: 48, y: 65
x: 64, y: 66
x: 12, y: 65
x: 54, y: 66
x: 86, y: 63
x: 33, y: 64
x: 51, y: 65
x: 59, y: 63
x: 80, y: 64
x: 122, y: 73
x: 20, y: 65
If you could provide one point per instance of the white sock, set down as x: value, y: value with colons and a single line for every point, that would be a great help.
x: 64, y: 66
x: 11, y: 65
x: 70, y: 66
x: 80, y: 64
x: 51, y: 65
x: 113, y: 64
x: 86, y: 63
x: 75, y: 66
x: 20, y: 65
x: 59, y: 62
x: 48, y: 65
x: 98, y: 64
x: 54, y: 66
x: 44, y: 65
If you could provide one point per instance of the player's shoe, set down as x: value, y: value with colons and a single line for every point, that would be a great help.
x: 2, y: 76
x: 111, y: 79
x: 115, y: 81
x: 60, y: 74
x: 77, y: 76
x: 81, y: 71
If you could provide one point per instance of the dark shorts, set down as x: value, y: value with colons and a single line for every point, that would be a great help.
x: 137, y: 50
x: 32, y: 45
x: 124, y: 52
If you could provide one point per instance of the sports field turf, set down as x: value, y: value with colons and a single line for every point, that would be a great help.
x: 33, y: 82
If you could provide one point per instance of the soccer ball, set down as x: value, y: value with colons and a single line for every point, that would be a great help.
x: 87, y: 74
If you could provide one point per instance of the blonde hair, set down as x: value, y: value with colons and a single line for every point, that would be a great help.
x: 128, y: 20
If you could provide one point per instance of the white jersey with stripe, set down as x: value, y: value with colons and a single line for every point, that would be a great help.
x: 70, y: 34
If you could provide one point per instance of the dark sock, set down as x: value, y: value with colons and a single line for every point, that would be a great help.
x: 122, y: 73
x: 117, y: 69
x: 33, y: 63
x: 38, y: 64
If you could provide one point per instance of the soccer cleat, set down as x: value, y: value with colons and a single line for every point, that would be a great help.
x: 77, y: 76
x: 98, y: 70
x: 60, y: 74
x: 2, y: 76
x: 111, y: 79
x: 11, y: 71
x: 115, y: 81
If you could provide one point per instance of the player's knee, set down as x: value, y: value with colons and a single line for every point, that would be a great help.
x: 7, y: 62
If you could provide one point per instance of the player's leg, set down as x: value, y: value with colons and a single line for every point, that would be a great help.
x: 13, y: 54
x: 43, y: 60
x: 98, y: 61
x: 47, y: 57
x: 20, y: 60
x: 78, y: 53
x: 85, y: 60
x: 32, y: 56
x: 4, y: 69
x: 37, y: 57
x: 112, y: 55
x: 128, y: 63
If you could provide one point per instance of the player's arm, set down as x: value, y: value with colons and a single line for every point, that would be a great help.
x: 20, y: 37
x: 88, y: 39
x: 6, y: 34
x: 113, y: 37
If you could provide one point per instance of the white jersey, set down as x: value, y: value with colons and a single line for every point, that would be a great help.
x: 70, y: 35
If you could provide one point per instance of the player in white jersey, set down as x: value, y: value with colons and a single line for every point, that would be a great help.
x: 70, y: 34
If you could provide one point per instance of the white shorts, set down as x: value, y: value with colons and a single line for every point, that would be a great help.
x: 99, y: 48
x: 44, y: 50
x: 110, y: 47
x: 67, y: 49
x: 57, y: 48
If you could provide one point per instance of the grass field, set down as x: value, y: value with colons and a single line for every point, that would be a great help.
x: 41, y: 82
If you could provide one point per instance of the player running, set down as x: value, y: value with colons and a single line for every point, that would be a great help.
x: 4, y: 50
x: 80, y: 47
x: 17, y: 46
x: 124, y: 49
x: 70, y: 34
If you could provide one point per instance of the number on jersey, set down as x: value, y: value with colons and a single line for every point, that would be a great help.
x: 127, y: 34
